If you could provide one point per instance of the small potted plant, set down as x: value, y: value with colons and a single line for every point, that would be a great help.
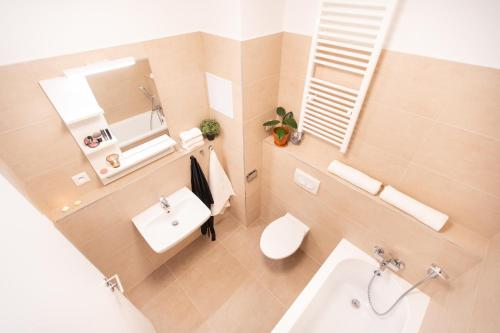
x: 281, y: 132
x: 210, y: 128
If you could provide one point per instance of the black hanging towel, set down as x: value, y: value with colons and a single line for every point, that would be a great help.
x: 199, y: 186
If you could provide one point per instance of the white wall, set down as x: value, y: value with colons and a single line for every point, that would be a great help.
x: 222, y: 18
x: 261, y: 17
x: 458, y: 30
x: 31, y: 29
x: 46, y: 285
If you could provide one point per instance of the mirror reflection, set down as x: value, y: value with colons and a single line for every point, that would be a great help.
x: 130, y: 102
x: 113, y: 111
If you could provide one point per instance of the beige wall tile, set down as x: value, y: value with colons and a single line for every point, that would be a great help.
x: 222, y: 56
x: 349, y: 212
x: 261, y: 57
x: 463, y: 156
x: 260, y: 97
x: 469, y: 207
x: 27, y: 111
x: 294, y: 55
x: 176, y: 57
x: 477, y: 107
x: 412, y: 83
x: 185, y: 103
x: 252, y: 207
x: 396, y: 132
x: 290, y: 94
x: 34, y: 149
x: 485, y: 315
x: 374, y: 161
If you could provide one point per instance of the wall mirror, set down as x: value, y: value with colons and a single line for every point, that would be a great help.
x: 114, y: 113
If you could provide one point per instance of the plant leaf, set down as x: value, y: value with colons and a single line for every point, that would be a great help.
x: 280, y: 111
x: 290, y: 122
x: 281, y: 132
x: 271, y: 123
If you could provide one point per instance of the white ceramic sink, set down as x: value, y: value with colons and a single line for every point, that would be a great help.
x: 163, y: 229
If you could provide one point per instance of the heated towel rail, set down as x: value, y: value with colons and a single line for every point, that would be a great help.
x: 344, y: 53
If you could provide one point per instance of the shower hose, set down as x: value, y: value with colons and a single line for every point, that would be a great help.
x: 377, y: 273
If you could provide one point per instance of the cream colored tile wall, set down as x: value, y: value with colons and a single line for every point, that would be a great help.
x: 430, y: 128
x: 105, y: 234
x: 341, y: 210
x: 223, y: 58
x: 261, y: 59
x: 487, y: 302
x: 35, y: 143
x: 42, y: 155
x: 427, y: 127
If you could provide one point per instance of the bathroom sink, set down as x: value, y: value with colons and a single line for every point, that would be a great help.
x: 163, y: 228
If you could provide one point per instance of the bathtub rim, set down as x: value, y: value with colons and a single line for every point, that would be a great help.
x: 345, y: 250
x: 137, y: 138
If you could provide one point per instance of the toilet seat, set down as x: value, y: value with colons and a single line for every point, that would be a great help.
x: 282, y: 237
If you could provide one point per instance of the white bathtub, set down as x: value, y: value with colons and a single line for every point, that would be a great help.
x: 325, y: 303
x: 136, y: 128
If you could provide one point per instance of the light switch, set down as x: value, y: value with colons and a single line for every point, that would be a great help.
x: 80, y: 178
x: 306, y: 181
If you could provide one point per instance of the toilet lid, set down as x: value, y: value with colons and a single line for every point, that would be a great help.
x: 281, y: 238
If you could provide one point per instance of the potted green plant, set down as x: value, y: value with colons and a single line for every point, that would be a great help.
x: 281, y: 128
x: 210, y: 128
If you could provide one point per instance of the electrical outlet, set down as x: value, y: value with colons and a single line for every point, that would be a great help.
x: 80, y: 178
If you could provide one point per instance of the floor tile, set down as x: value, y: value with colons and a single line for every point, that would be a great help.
x: 154, y: 284
x: 251, y: 308
x: 172, y: 311
x: 212, y: 281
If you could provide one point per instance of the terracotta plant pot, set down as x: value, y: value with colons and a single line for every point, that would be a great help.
x: 283, y: 140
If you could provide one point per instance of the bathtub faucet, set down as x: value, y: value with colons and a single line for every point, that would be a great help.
x: 385, y: 261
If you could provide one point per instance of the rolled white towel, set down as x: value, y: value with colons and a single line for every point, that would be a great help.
x: 190, y: 134
x: 355, y: 177
x: 427, y: 215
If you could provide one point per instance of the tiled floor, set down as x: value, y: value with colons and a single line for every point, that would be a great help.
x: 223, y: 286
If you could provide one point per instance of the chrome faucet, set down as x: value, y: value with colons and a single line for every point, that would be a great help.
x: 165, y: 204
x: 387, y: 261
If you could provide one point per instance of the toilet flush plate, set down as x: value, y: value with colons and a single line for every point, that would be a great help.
x: 306, y: 181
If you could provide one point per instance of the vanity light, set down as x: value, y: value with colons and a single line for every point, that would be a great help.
x: 100, y: 67
x: 65, y: 209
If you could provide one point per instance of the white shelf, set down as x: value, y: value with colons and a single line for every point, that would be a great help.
x: 103, y: 145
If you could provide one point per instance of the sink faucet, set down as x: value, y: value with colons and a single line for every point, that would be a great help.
x: 387, y: 261
x: 165, y: 204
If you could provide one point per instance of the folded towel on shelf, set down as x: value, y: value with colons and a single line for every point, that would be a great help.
x: 220, y: 185
x: 193, y: 144
x: 193, y: 140
x: 427, y: 215
x: 188, y: 135
x: 355, y: 177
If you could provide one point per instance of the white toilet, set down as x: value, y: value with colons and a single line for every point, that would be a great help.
x: 282, y: 237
